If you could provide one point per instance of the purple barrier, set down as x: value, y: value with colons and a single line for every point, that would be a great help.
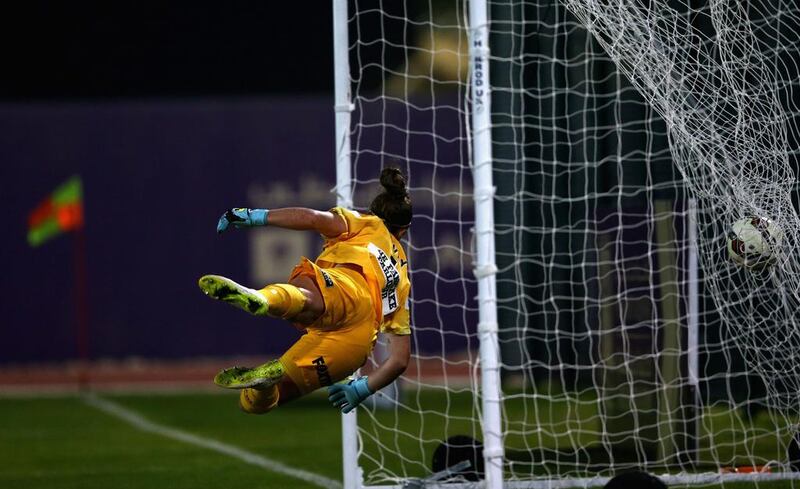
x: 156, y: 177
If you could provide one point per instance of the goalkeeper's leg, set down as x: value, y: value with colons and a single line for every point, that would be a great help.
x: 299, y: 301
x: 261, y: 377
x: 260, y: 401
x: 262, y: 388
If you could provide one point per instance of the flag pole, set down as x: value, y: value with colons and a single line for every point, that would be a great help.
x: 81, y: 308
x: 62, y: 211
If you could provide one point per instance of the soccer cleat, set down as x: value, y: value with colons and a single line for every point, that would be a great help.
x: 237, y: 295
x: 242, y: 377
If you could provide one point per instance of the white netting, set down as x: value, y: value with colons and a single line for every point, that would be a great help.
x: 409, y: 95
x: 716, y: 77
x: 620, y: 128
x: 723, y: 77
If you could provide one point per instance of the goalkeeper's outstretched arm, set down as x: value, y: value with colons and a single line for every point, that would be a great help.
x: 303, y: 219
x: 347, y: 396
x: 297, y: 218
x: 395, y: 365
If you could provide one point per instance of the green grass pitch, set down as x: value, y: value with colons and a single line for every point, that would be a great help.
x: 62, y: 442
x: 65, y: 443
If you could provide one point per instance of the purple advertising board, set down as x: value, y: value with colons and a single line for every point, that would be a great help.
x: 157, y: 174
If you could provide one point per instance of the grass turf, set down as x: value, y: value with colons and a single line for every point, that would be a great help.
x: 62, y: 442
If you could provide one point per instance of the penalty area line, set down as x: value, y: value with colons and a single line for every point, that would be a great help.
x: 143, y: 424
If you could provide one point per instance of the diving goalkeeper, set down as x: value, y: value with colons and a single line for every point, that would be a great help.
x: 357, y: 287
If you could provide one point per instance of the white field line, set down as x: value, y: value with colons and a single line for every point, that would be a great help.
x: 143, y: 424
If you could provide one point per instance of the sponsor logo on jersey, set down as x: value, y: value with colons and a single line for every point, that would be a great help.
x: 327, y: 278
x: 392, y: 276
x: 322, y: 371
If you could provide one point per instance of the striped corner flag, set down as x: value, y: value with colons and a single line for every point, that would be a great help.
x: 62, y: 211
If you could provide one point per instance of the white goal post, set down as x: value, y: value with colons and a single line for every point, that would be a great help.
x: 485, y: 268
x: 574, y: 167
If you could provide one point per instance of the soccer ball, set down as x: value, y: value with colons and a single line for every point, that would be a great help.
x: 753, y: 242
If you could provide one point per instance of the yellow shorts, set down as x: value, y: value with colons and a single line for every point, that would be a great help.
x: 340, y: 341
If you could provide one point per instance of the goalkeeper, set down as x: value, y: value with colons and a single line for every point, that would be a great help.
x: 356, y: 287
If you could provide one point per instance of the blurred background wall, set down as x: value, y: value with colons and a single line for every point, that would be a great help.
x: 170, y: 113
x: 156, y: 176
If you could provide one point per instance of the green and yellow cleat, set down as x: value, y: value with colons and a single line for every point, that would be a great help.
x: 242, y: 377
x: 227, y: 290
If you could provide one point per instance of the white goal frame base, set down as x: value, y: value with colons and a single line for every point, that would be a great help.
x: 587, y: 482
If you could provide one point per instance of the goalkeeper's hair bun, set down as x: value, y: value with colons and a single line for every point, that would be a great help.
x: 394, y: 182
x: 393, y: 205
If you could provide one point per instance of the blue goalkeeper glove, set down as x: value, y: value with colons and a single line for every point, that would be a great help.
x: 347, y: 396
x: 242, y: 217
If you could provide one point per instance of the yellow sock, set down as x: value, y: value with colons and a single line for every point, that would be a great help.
x: 285, y: 300
x: 258, y: 401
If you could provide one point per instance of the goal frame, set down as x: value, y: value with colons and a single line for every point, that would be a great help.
x: 480, y: 134
x: 483, y: 195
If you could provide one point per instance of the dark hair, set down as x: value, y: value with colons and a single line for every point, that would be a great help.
x: 635, y: 480
x: 393, y: 205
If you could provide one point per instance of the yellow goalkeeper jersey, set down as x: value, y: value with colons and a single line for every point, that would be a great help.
x: 369, y: 245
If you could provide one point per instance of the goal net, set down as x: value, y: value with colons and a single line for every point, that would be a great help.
x: 627, y: 137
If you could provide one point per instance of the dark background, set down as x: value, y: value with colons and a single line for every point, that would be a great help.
x: 94, y: 50
x: 171, y: 114
x: 57, y: 50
